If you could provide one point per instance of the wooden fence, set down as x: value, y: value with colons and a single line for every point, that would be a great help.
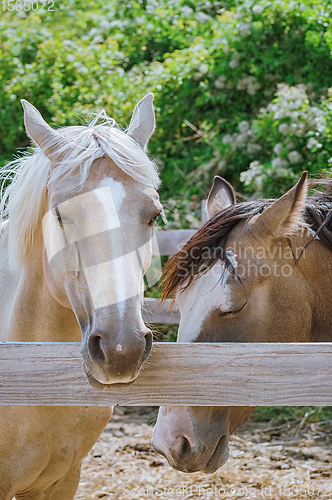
x: 176, y: 374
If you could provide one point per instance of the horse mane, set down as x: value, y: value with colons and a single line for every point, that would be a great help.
x: 24, y: 200
x: 207, y: 246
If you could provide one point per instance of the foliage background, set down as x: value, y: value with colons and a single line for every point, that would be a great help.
x: 241, y: 87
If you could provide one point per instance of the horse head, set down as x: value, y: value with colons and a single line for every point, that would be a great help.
x: 97, y: 214
x: 248, y: 275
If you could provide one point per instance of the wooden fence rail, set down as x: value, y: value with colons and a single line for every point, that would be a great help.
x: 178, y: 374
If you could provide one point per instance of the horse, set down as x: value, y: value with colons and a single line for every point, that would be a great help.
x: 75, y: 242
x: 257, y: 271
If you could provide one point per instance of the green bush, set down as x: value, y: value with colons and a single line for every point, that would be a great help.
x: 214, y: 68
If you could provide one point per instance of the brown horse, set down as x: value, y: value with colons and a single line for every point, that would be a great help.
x: 73, y: 252
x: 258, y: 271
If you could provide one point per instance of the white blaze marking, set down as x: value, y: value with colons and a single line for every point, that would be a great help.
x: 117, y: 281
x: 119, y: 347
x: 114, y: 281
x: 204, y: 295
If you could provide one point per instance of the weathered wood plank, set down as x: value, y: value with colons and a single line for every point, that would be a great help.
x: 152, y: 313
x: 178, y: 374
x: 204, y: 214
x: 171, y: 241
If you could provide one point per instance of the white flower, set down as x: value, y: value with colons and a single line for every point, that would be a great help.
x: 257, y: 9
x: 240, y: 139
x: 71, y: 58
x: 252, y: 174
x: 253, y: 148
x: 197, y: 76
x: 280, y: 172
x: 97, y: 39
x: 201, y: 17
x: 245, y: 177
x: 294, y: 115
x: 186, y: 11
x: 244, y: 28
x: 312, y: 143
x: 227, y: 139
x: 271, y: 107
x: 258, y: 182
x: 279, y: 163
x: 233, y: 63
x: 244, y: 127
x: 204, y: 68
x: 81, y: 68
x: 253, y: 85
x: 220, y: 82
x: 278, y: 148
x: 283, y: 128
x: 294, y: 157
x: 241, y: 84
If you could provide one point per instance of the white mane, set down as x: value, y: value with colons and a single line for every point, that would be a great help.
x: 23, y: 202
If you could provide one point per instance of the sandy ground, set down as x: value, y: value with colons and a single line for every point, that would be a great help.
x: 293, y: 461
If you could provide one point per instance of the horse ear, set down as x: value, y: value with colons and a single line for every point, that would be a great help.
x: 37, y: 128
x: 142, y: 123
x: 283, y: 216
x: 220, y: 197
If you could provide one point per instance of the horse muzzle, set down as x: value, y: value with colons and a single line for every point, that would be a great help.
x: 190, y: 445
x: 186, y: 458
x: 115, y: 360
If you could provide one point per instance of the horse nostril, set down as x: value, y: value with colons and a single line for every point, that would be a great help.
x: 148, y: 346
x: 96, y: 350
x: 180, y: 448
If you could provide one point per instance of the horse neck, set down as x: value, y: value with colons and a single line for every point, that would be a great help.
x: 316, y: 267
x: 35, y: 315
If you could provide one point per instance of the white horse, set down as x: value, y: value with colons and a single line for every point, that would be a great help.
x: 73, y: 251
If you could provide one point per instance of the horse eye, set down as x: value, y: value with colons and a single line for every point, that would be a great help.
x: 154, y: 220
x: 62, y: 221
x: 231, y: 314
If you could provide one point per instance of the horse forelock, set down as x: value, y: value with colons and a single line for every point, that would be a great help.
x: 207, y: 246
x: 74, y: 150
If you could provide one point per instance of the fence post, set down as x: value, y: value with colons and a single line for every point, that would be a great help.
x: 204, y: 215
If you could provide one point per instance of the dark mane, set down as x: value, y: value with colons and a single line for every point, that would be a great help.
x: 207, y: 246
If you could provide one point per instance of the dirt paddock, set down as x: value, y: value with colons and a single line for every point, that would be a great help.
x: 269, y: 462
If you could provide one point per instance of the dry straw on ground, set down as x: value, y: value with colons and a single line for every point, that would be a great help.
x: 277, y: 463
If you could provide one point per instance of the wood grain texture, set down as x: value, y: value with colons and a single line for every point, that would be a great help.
x: 152, y: 313
x: 176, y: 374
